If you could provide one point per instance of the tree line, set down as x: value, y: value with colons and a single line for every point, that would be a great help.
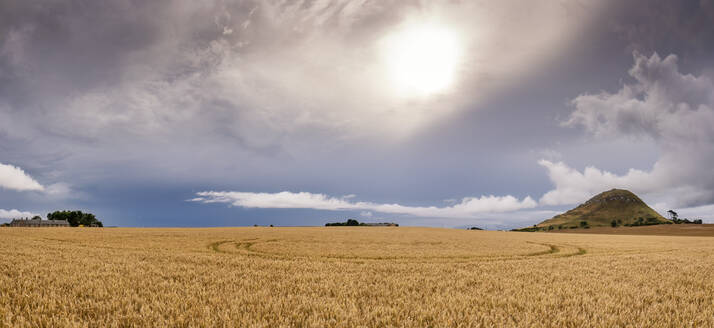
x: 676, y: 220
x: 355, y: 223
x: 76, y: 218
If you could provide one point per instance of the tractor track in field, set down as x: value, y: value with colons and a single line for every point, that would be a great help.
x: 245, y: 248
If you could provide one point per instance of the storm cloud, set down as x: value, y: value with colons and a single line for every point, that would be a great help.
x: 262, y: 75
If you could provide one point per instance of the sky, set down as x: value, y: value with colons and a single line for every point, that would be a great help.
x: 431, y: 113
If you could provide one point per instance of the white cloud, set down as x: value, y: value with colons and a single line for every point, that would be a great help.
x: 13, y: 177
x: 15, y: 214
x: 60, y: 190
x: 283, y: 199
x: 572, y: 186
x: 469, y: 207
x: 675, y: 110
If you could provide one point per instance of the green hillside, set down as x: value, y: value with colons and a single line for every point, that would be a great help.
x: 615, y: 207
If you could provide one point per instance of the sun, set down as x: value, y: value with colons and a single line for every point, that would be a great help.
x: 421, y: 60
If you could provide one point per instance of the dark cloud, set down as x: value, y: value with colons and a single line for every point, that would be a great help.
x: 681, y: 27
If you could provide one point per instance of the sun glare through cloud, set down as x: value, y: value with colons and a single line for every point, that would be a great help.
x: 421, y: 59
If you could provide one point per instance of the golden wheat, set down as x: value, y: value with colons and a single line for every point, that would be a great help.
x: 350, y: 277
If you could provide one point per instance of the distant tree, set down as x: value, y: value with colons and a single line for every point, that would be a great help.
x: 36, y: 217
x: 613, y: 223
x: 352, y: 222
x: 673, y: 215
x: 583, y: 224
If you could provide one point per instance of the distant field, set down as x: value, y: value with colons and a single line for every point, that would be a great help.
x: 351, y: 276
x: 703, y: 230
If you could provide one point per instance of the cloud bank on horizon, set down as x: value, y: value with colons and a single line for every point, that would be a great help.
x: 469, y: 207
x: 129, y: 108
x: 15, y: 214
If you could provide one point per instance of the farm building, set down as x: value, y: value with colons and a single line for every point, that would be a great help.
x: 38, y: 222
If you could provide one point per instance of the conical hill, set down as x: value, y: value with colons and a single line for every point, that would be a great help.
x: 614, y: 207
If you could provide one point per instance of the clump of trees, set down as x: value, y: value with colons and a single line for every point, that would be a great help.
x: 76, y: 218
x: 349, y: 222
x: 687, y: 221
x: 355, y: 223
x: 534, y: 228
x: 615, y: 223
x: 474, y: 228
x: 642, y: 222
x: 675, y: 218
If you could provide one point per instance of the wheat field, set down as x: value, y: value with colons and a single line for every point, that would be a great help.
x: 351, y: 277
